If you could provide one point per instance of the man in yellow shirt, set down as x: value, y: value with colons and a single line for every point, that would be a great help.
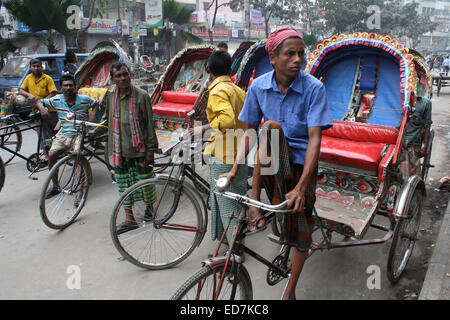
x: 36, y: 86
x: 224, y: 105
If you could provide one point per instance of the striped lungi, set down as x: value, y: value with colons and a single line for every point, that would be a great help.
x: 131, y: 172
x: 221, y: 207
x: 296, y: 228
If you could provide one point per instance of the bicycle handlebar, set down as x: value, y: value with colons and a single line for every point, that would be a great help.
x: 92, y: 124
x: 223, y: 183
x: 70, y: 116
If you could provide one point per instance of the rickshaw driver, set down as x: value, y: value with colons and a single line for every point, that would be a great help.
x: 68, y: 101
x: 295, y: 103
x: 417, y: 135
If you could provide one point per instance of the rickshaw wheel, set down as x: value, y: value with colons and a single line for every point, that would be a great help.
x: 405, y: 236
x: 10, y: 138
x: 2, y: 174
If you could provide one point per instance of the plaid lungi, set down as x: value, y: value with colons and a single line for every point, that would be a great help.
x: 131, y: 172
x: 296, y: 228
x: 222, y: 207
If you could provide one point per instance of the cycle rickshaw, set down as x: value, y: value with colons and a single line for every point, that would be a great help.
x: 369, y: 80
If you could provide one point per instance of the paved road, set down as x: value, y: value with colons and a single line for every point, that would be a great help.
x: 37, y: 262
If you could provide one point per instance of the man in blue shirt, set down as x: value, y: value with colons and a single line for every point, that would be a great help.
x: 295, y: 103
x: 68, y: 101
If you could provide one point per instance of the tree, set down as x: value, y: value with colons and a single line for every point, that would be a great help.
x: 216, y: 5
x: 285, y: 10
x: 401, y: 20
x: 347, y: 16
x: 43, y: 15
x: 173, y: 13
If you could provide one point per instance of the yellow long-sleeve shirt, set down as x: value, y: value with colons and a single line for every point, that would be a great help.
x: 225, y: 102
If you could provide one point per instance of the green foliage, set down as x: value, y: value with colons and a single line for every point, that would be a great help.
x: 174, y: 13
x: 101, y: 7
x: 42, y: 15
x: 310, y: 41
x: 347, y: 16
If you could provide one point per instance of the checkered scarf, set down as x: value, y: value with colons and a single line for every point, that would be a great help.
x: 136, y: 133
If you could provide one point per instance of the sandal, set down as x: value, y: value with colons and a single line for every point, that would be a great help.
x: 255, y: 223
x: 125, y: 227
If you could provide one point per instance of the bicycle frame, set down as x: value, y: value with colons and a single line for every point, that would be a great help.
x: 24, y: 122
x: 233, y: 255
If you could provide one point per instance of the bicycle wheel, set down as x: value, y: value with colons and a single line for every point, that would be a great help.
x: 62, y: 209
x: 152, y: 244
x: 9, y: 139
x: 204, y: 284
x: 2, y: 174
x: 405, y: 236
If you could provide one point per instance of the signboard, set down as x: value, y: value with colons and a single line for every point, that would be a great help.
x: 217, y: 32
x: 125, y: 28
x: 154, y: 13
x: 135, y: 33
x: 256, y: 17
x: 101, y: 26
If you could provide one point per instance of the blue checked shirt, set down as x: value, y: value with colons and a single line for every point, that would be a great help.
x: 303, y: 106
x: 80, y: 108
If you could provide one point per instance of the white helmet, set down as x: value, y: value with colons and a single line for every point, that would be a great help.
x: 20, y: 100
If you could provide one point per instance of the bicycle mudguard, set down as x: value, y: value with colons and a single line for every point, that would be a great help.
x: 406, y: 194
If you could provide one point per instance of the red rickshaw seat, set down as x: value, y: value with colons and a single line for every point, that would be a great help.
x: 175, y: 104
x: 358, y: 145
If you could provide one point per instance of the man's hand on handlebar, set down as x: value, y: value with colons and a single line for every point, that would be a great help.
x: 230, y: 175
x: 297, y: 200
x: 44, y: 114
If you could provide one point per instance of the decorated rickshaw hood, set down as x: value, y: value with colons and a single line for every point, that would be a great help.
x: 334, y: 46
x: 361, y: 41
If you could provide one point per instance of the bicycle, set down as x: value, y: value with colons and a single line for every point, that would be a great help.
x: 11, y: 140
x: 225, y: 276
x: 162, y: 239
x: 74, y: 176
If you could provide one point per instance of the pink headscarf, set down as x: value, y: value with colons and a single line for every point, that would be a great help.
x: 278, y: 36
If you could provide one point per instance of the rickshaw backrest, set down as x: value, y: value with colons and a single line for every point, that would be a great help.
x: 179, y: 97
x: 362, y: 132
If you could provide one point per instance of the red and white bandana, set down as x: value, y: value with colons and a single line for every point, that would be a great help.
x: 278, y: 36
